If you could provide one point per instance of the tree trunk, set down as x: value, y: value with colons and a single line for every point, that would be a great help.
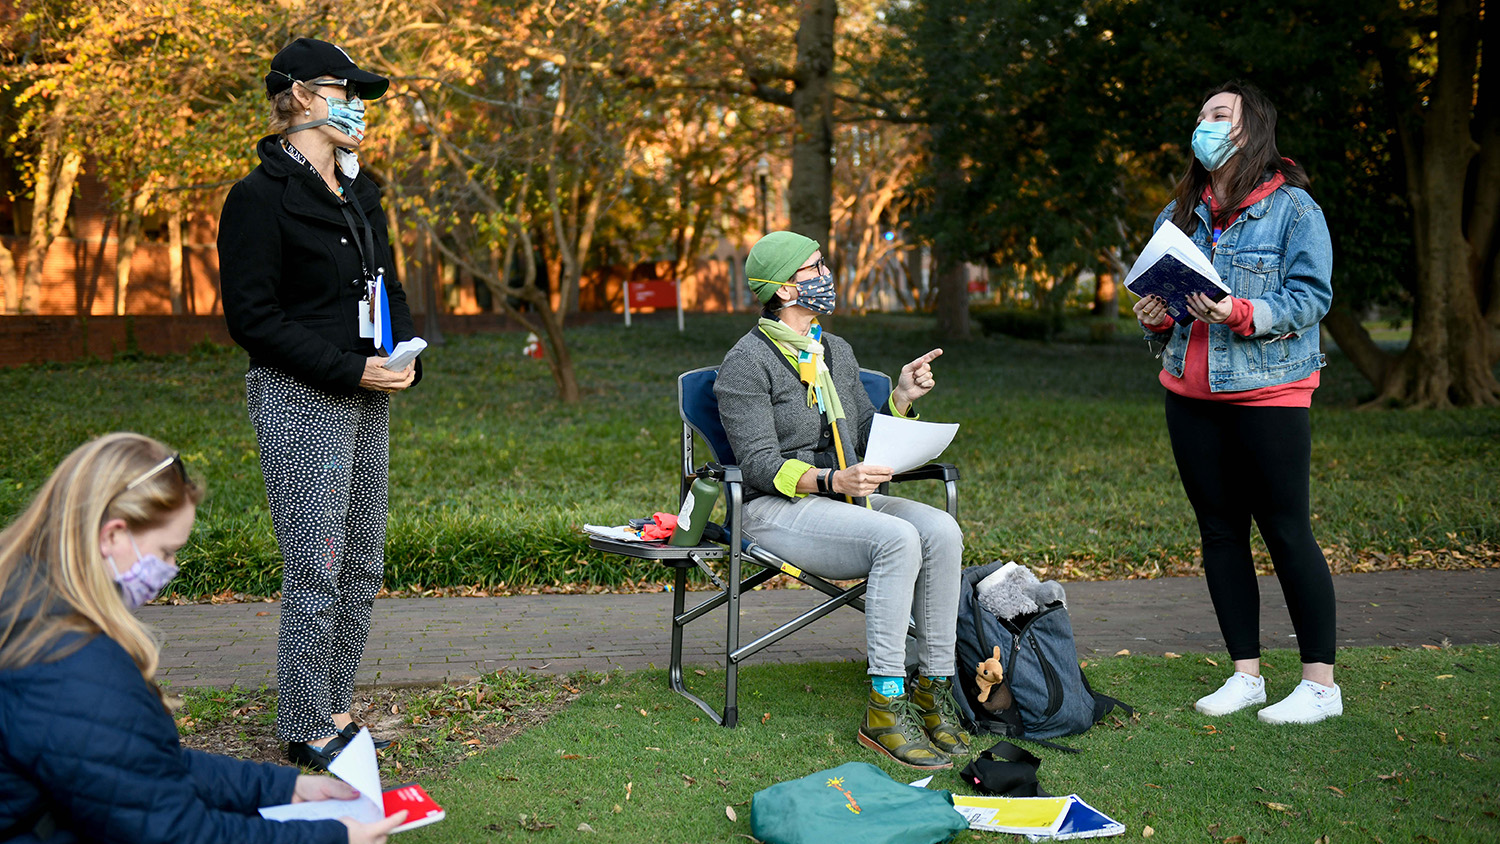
x: 1447, y: 362
x: 810, y: 194
x: 56, y: 170
x: 1106, y: 296
x: 174, y: 261
x: 952, y: 298
x: 9, y: 277
x: 1484, y: 209
x: 1357, y: 345
x: 432, y: 329
x: 130, y: 235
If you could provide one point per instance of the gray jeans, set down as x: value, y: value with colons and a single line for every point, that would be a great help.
x: 912, y: 554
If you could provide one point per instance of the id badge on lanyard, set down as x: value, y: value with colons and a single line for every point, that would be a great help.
x: 364, y: 311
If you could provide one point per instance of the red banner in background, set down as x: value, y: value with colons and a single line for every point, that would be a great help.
x: 653, y: 294
x: 979, y: 287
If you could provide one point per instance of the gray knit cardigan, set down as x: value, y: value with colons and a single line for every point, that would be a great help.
x: 765, y: 414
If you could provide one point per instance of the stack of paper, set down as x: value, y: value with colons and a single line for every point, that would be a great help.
x: 1038, y: 818
x: 1172, y: 266
x: 1019, y: 815
x: 1082, y: 821
x: 904, y: 444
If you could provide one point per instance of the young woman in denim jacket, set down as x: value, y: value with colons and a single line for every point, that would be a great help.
x: 1240, y: 378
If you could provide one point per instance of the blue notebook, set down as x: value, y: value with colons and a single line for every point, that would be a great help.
x: 1083, y: 821
x: 1172, y: 266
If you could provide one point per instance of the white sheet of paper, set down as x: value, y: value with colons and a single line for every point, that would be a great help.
x: 905, y: 444
x: 356, y: 766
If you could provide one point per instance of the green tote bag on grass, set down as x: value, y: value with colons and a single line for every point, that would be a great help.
x: 854, y: 802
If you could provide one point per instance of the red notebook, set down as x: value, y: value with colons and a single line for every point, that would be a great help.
x: 421, y: 809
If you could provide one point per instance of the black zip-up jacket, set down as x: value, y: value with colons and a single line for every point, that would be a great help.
x: 287, y: 263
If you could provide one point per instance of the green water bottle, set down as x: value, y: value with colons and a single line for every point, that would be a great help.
x: 696, y: 508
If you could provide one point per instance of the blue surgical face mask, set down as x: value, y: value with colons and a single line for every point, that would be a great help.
x: 145, y: 579
x: 1211, y: 143
x: 345, y: 115
x: 817, y: 294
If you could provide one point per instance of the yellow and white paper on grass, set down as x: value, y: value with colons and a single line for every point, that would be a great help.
x: 1018, y: 815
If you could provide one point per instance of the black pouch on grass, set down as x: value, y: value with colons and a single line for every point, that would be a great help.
x: 1005, y: 771
x: 1051, y: 695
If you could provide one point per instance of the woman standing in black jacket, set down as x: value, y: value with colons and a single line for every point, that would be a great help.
x: 303, y: 252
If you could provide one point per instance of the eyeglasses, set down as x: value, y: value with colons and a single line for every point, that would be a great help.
x: 330, y: 83
x: 174, y: 460
x: 818, y: 265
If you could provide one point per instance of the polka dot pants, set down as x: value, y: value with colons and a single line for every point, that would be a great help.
x: 325, y: 459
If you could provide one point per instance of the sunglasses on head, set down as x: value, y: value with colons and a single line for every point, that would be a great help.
x: 174, y: 460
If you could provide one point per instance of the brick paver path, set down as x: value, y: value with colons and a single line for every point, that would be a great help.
x: 419, y: 640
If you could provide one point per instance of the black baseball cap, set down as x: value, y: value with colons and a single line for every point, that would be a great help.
x: 307, y: 59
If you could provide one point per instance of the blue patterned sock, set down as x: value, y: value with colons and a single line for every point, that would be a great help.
x: 942, y: 679
x: 888, y: 686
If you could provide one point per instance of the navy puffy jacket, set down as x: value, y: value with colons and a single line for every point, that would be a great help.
x: 85, y: 741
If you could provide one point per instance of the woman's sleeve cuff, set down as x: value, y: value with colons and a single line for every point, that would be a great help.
x: 787, y: 476
x: 909, y: 414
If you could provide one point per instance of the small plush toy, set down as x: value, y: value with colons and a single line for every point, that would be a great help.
x: 1012, y: 590
x: 990, y: 678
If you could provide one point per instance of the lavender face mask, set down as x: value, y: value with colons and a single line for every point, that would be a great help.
x: 145, y: 579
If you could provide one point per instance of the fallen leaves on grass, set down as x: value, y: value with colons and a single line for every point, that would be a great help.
x: 1235, y: 839
x: 1276, y: 807
x: 766, y: 717
x: 1211, y: 662
x: 1170, y: 655
x: 1147, y: 832
x: 1336, y: 790
x: 729, y: 813
x: 628, y: 787
x: 532, y: 823
x: 1123, y: 652
x: 583, y: 827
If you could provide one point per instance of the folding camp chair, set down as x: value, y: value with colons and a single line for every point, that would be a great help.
x: 699, y: 409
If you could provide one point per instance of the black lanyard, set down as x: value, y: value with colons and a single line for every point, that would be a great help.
x: 366, y: 246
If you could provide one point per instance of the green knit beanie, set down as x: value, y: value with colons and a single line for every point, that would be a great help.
x: 774, y: 259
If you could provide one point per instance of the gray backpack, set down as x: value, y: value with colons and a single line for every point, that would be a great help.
x: 1051, y: 697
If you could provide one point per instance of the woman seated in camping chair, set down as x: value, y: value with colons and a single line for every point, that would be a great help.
x: 798, y: 420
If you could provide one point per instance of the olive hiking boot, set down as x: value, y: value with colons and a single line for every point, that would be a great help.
x: 892, y: 727
x: 933, y: 701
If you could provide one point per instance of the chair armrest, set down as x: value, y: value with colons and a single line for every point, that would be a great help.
x: 721, y: 473
x: 930, y: 472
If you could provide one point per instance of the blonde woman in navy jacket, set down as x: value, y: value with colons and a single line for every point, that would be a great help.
x: 1239, y: 380
x: 88, y: 747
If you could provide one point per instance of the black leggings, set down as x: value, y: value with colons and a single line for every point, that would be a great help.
x: 1238, y: 463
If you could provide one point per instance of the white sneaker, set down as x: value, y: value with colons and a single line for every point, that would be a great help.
x: 1309, y: 703
x: 1239, y: 691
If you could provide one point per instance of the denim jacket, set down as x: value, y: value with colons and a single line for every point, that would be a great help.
x: 1278, y: 255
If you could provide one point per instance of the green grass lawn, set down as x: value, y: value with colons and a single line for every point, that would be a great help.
x: 1416, y: 757
x: 1063, y: 450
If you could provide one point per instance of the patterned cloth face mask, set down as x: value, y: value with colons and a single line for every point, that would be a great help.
x: 145, y: 579
x: 817, y: 294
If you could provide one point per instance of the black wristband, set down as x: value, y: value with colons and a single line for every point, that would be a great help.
x: 825, y: 482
